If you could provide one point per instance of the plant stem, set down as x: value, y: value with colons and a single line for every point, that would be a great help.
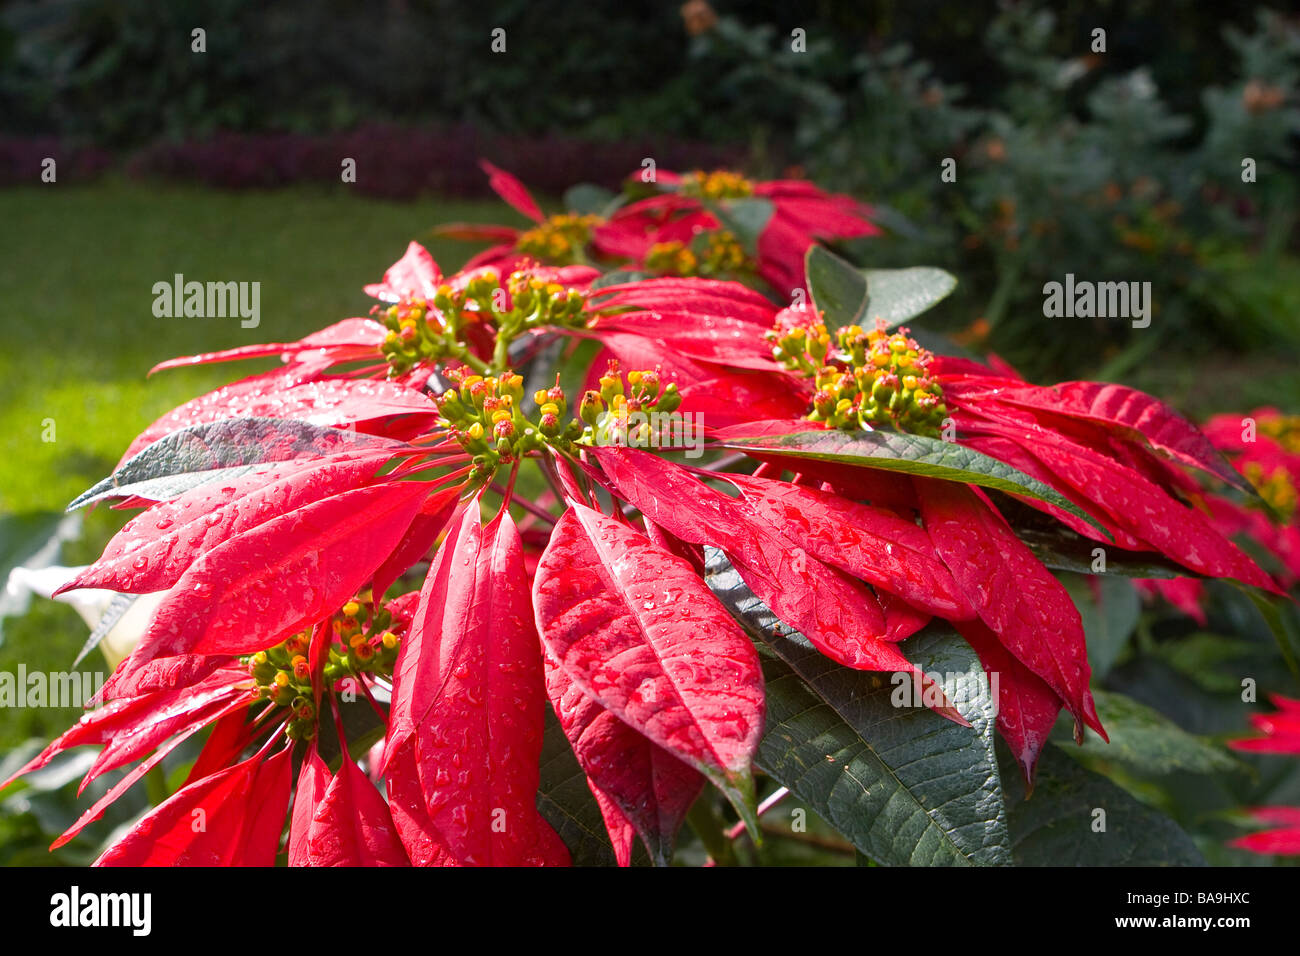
x: 462, y: 354
x: 724, y: 463
x: 533, y: 509
x: 772, y: 800
x: 708, y: 827
x: 547, y: 467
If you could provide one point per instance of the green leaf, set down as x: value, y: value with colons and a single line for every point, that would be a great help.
x: 1279, y: 615
x: 1108, y: 620
x: 897, y: 295
x: 565, y: 800
x: 166, y: 487
x: 849, y: 296
x: 618, y: 277
x: 743, y: 218
x: 911, y: 454
x: 1067, y: 551
x: 838, y: 290
x: 589, y: 199
x: 1213, y: 661
x: 116, y: 610
x: 190, y: 456
x: 1060, y: 825
x: 1147, y: 740
x: 904, y: 785
x: 1153, y: 682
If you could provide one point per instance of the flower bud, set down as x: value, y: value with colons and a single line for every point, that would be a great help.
x: 610, y: 386
x: 591, y: 408
x: 670, y: 400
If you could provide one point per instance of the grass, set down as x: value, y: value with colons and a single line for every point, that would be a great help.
x: 77, y: 330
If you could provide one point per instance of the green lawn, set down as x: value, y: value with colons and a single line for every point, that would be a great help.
x: 78, y: 334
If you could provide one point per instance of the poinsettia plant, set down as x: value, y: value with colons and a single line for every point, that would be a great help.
x: 1264, y: 447
x: 714, y: 224
x: 1280, y: 735
x: 537, y: 561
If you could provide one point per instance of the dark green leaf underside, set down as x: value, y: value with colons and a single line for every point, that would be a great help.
x: 1148, y: 741
x: 1060, y: 824
x: 905, y: 786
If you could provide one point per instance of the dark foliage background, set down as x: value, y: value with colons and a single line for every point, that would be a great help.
x: 1117, y: 165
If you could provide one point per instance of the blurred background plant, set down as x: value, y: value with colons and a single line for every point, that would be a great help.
x: 1119, y: 164
x: 1066, y: 161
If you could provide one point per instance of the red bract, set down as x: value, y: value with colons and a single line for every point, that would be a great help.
x: 1264, y: 447
x: 1085, y: 440
x: 345, y: 341
x: 560, y: 240
x: 467, y: 698
x: 637, y: 631
x: 841, y: 616
x: 640, y: 787
x: 1281, y: 736
x: 660, y: 233
x: 341, y: 821
x: 1264, y: 452
x: 255, y: 588
x: 1015, y: 596
x: 1128, y: 501
x: 1027, y: 706
x: 231, y: 818
x: 677, y: 232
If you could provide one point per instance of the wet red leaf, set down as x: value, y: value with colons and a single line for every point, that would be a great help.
x: 465, y: 729
x: 1019, y: 599
x: 258, y: 587
x: 637, y: 630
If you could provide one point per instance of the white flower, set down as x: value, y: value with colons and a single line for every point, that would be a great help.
x: 90, y: 603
